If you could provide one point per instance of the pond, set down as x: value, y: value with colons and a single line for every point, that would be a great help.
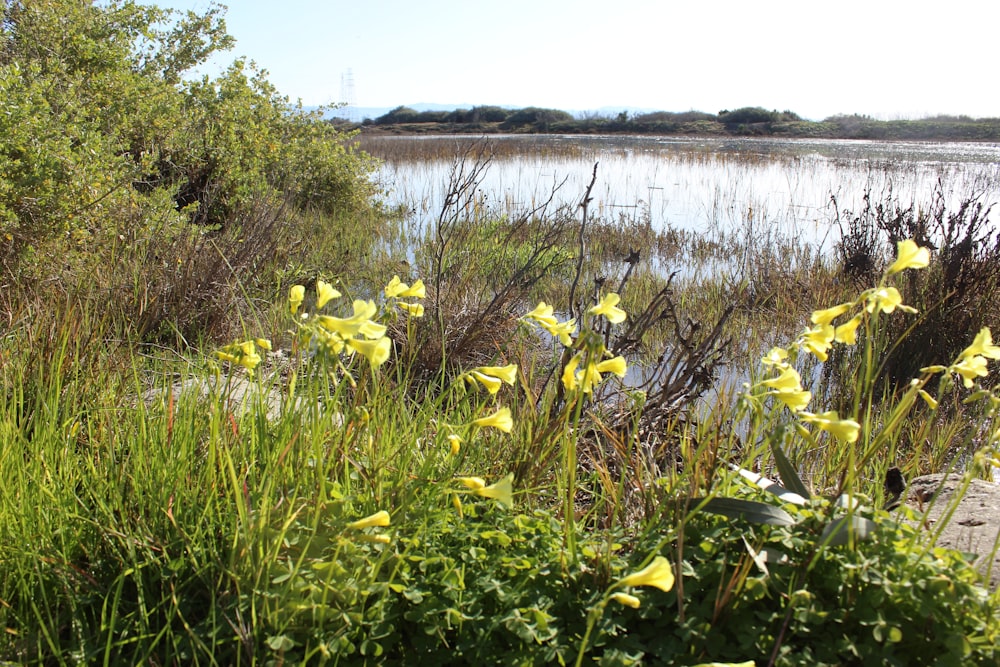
x: 694, y: 184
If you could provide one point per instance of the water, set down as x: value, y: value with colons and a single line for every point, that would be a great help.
x: 693, y: 184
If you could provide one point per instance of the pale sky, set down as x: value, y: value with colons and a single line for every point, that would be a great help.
x: 886, y: 58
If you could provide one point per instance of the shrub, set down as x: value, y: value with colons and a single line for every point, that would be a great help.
x: 958, y: 294
x: 109, y: 154
x: 538, y: 119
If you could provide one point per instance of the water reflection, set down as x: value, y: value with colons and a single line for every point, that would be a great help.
x: 694, y: 184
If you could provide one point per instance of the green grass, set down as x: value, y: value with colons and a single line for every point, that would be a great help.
x: 352, y: 490
x: 199, y: 531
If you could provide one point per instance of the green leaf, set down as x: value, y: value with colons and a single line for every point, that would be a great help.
x: 281, y: 643
x: 787, y: 471
x: 750, y: 510
x: 770, y: 486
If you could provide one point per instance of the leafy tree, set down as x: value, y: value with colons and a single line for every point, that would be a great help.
x: 398, y: 115
x: 747, y: 115
x: 534, y: 116
x: 103, y: 133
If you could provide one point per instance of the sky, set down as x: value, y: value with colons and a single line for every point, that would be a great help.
x: 884, y: 58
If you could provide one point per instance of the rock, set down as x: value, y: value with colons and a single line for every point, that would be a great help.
x: 975, y: 524
x: 240, y: 393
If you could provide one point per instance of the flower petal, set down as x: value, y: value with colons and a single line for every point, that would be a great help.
x: 909, y: 256
x: 658, y: 574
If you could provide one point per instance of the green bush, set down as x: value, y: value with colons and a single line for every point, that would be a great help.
x: 103, y: 139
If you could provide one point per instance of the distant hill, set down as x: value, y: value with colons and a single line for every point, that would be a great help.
x: 742, y: 122
x: 358, y: 114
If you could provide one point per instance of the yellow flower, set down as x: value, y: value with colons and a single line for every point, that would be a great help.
x: 395, y: 288
x: 506, y: 373
x: 788, y: 389
x: 416, y: 291
x: 474, y: 483
x: 928, y: 399
x: 626, y: 599
x: 492, y: 377
x: 359, y: 323
x: 794, y: 400
x: 616, y: 366
x: 501, y: 491
x: 225, y: 356
x: 658, y: 574
x: 380, y: 518
x: 414, y: 309
x: 491, y: 383
x: 886, y: 300
x: 569, y: 378
x: 376, y: 351
x: 982, y: 346
x: 819, y: 339
x: 324, y: 292
x: 847, y: 333
x: 909, y: 256
x: 455, y: 443
x: 589, y: 378
x: 845, y: 430
x: 609, y: 308
x: 263, y: 343
x: 542, y: 314
x: 243, y: 354
x: 563, y: 331
x: 542, y: 311
x: 249, y: 361
x: 828, y: 315
x: 970, y: 368
x: 500, y: 420
x: 295, y: 296
x: 776, y: 356
x: 333, y: 342
x: 788, y: 380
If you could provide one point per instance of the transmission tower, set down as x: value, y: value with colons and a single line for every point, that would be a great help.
x: 347, y: 96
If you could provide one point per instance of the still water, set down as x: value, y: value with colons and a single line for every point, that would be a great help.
x: 694, y: 184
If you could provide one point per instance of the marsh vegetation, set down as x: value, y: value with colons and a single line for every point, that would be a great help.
x: 273, y: 397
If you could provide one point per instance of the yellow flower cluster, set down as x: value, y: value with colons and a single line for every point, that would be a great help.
x: 396, y: 290
x: 817, y: 340
x: 244, y: 354
x: 359, y: 333
x: 972, y: 362
x: 585, y: 380
x: 491, y: 377
x: 542, y: 316
x: 594, y: 364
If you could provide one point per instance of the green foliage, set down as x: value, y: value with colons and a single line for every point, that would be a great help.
x: 103, y: 138
x: 745, y: 121
x: 955, y: 296
x: 353, y: 500
x: 204, y: 528
x: 540, y: 119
